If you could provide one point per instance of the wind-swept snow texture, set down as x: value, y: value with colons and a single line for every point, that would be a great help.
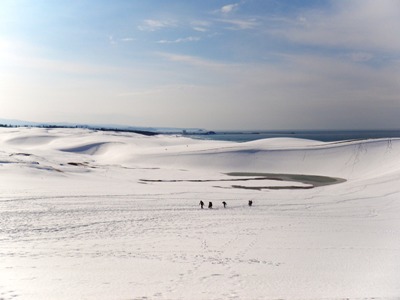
x: 102, y: 215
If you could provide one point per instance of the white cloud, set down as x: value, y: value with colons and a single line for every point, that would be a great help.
x: 240, y: 24
x: 197, y: 62
x: 229, y: 8
x: 127, y: 39
x: 200, y: 26
x: 114, y: 41
x: 180, y: 40
x: 153, y: 25
x: 200, y: 29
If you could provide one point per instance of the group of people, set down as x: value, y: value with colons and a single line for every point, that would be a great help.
x: 210, y: 205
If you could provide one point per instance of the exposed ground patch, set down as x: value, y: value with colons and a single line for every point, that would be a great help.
x: 310, y: 181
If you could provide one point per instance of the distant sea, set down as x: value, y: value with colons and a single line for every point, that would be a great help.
x: 324, y: 136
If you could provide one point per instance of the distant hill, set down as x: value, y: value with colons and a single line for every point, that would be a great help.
x: 106, y: 127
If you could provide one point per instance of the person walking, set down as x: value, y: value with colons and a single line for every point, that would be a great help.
x: 210, y: 204
x: 201, y: 204
x: 224, y: 203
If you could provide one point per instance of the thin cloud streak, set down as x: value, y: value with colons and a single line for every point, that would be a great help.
x: 181, y: 40
x: 199, y: 62
x: 240, y: 24
x: 154, y: 25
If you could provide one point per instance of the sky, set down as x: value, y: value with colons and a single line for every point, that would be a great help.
x: 218, y: 65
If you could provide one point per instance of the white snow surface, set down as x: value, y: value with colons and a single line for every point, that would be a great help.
x: 103, y: 215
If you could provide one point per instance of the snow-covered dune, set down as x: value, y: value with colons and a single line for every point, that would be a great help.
x: 352, y: 159
x: 347, y: 159
x: 103, y: 215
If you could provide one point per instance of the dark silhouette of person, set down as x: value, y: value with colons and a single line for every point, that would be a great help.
x: 209, y: 204
x: 224, y: 203
x: 201, y: 204
x: 250, y: 202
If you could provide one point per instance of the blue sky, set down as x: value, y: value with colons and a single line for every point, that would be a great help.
x: 250, y: 64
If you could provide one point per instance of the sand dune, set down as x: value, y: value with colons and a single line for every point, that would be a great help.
x: 101, y: 215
